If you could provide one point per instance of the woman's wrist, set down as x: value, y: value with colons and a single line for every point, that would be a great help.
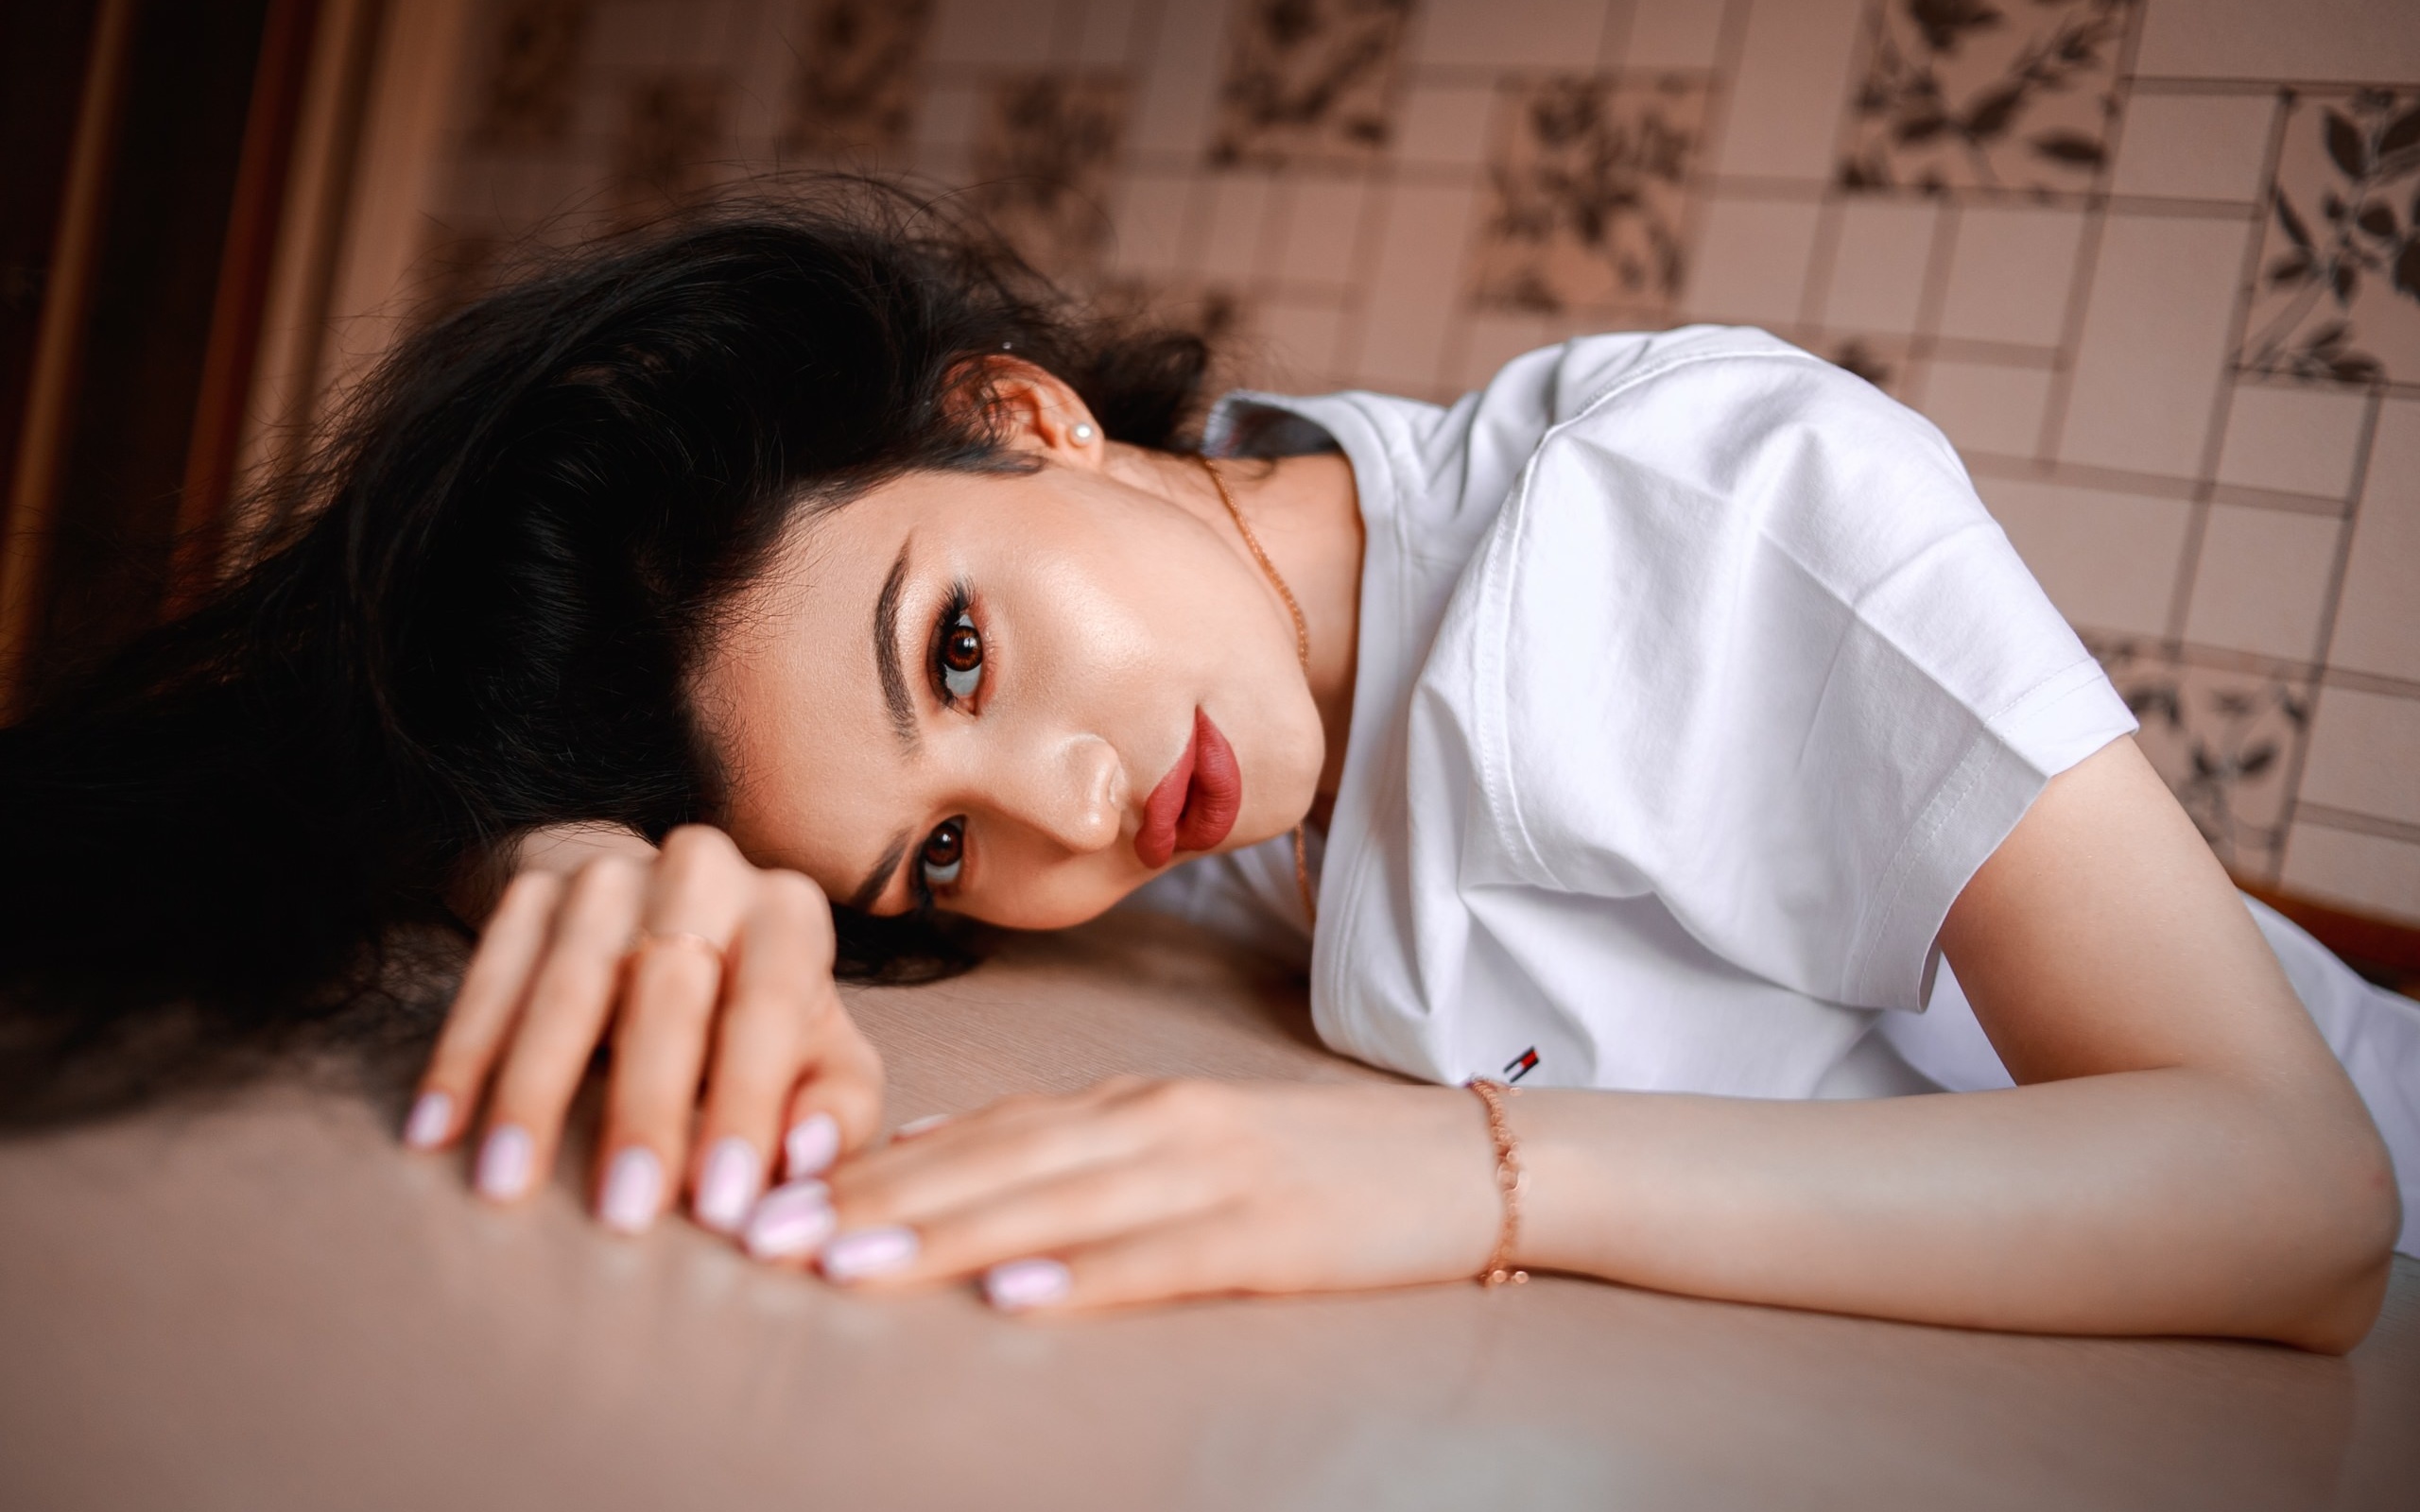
x: 1461, y: 1218
x: 1563, y: 1184
x: 1501, y: 1266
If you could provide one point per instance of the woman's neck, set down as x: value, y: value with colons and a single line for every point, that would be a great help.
x: 1307, y: 514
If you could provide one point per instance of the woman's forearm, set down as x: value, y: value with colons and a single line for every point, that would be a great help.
x: 2153, y: 1201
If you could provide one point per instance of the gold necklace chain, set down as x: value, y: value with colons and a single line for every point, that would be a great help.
x: 1302, y: 652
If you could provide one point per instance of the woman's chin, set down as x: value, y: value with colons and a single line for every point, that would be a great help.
x: 1282, y: 818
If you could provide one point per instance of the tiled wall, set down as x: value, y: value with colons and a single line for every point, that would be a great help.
x: 2151, y: 264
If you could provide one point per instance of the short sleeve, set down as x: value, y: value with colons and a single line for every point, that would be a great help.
x: 1745, y: 639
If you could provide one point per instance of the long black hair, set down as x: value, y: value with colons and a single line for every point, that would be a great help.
x: 482, y: 612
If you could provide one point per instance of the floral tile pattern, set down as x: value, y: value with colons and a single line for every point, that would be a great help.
x: 1042, y: 166
x: 854, y: 93
x: 1987, y: 94
x: 1999, y: 224
x: 670, y: 137
x: 534, y: 82
x: 1591, y: 180
x: 2224, y: 740
x: 2337, y: 297
x: 1309, y: 81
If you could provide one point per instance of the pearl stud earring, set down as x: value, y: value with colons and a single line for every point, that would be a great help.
x: 1083, y: 434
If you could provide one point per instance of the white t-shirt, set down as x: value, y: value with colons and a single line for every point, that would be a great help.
x: 1694, y: 684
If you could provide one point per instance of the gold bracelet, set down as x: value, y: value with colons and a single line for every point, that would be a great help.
x: 1509, y: 1181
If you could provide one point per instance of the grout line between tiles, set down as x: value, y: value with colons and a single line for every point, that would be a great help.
x: 2326, y: 637
x: 1923, y: 341
x: 2246, y: 84
x: 2327, y: 817
x: 1869, y: 24
x: 2150, y: 484
x: 1814, y: 292
x: 2260, y: 664
x: 2379, y: 683
x: 2223, y: 402
x: 2085, y: 271
x: 2166, y: 207
x: 2245, y: 497
x: 1995, y: 353
x: 1610, y: 50
x: 1377, y: 206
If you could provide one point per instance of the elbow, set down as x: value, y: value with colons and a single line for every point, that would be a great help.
x: 2348, y: 1250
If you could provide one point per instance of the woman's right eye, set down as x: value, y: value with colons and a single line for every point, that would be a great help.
x: 961, y: 658
x: 945, y: 854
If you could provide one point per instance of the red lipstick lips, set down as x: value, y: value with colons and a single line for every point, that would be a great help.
x: 1196, y: 804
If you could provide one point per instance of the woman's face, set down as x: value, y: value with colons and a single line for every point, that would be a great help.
x: 1019, y: 694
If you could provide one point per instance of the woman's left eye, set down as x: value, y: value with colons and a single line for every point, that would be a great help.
x: 945, y: 854
x: 961, y: 658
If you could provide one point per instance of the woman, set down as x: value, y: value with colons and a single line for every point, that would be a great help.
x: 1644, y: 728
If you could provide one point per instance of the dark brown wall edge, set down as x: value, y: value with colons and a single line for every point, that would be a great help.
x: 166, y: 199
x: 244, y: 268
x: 45, y: 370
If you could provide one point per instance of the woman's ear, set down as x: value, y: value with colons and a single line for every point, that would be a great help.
x: 1032, y: 411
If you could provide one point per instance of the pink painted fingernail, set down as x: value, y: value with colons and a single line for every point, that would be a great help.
x: 432, y: 1119
x: 1019, y: 1284
x: 633, y: 1191
x: 865, y: 1252
x: 728, y: 1185
x: 810, y: 1146
x: 792, y: 1219
x: 504, y: 1163
x: 920, y: 1126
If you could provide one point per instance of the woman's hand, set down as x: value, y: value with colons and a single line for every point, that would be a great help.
x: 704, y: 969
x: 1136, y: 1191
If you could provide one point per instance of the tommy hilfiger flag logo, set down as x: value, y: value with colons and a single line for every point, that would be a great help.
x: 1521, y: 1065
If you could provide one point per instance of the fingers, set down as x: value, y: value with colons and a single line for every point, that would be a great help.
x: 1016, y: 1142
x: 779, y: 992
x: 557, y: 1029
x: 1027, y: 1176
x: 837, y: 1106
x: 484, y: 1010
x: 674, y: 984
x: 732, y: 961
x: 961, y: 1160
x: 1206, y: 1255
x: 1141, y: 1191
x: 1054, y: 1216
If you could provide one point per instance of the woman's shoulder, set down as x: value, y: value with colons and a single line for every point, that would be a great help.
x: 1588, y: 374
x: 1697, y: 452
x: 1707, y: 401
x: 1720, y: 411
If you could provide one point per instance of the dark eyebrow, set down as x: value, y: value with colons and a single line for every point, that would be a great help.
x: 878, y: 881
x: 886, y: 650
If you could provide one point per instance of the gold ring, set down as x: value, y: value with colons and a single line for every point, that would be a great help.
x: 645, y: 939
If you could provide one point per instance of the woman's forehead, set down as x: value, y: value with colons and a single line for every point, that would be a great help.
x: 789, y: 694
x: 812, y: 768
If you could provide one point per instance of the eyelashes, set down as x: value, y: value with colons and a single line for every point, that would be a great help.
x: 958, y: 676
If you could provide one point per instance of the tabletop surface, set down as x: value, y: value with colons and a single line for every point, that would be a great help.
x: 264, y: 1303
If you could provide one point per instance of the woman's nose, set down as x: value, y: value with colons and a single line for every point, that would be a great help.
x: 1067, y: 790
